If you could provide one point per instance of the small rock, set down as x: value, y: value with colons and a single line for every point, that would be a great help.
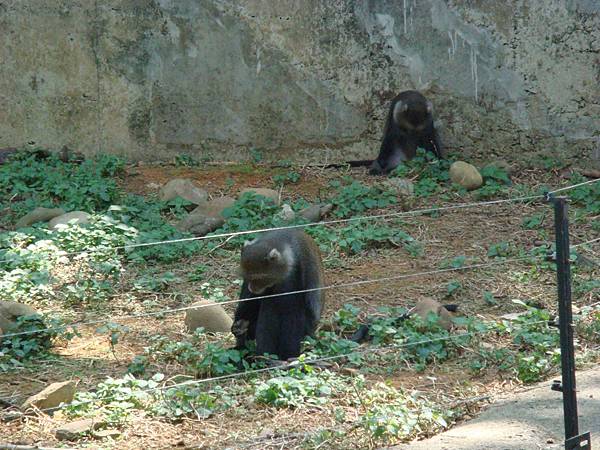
x: 314, y: 213
x: 427, y: 305
x: 401, y: 186
x: 11, y: 311
x: 74, y: 430
x: 266, y: 433
x: 311, y: 213
x: 209, y: 225
x: 287, y: 214
x: 38, y: 215
x: 215, y: 207
x: 78, y: 217
x: 51, y: 396
x: 326, y: 209
x: 466, y: 175
x: 212, y: 318
x: 269, y: 193
x: 109, y: 433
x: 198, y: 222
x: 184, y: 188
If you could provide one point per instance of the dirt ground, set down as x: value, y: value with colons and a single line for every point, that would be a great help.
x: 469, y: 232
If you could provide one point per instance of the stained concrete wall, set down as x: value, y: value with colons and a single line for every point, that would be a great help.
x: 309, y: 79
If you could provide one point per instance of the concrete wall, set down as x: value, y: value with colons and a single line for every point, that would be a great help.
x: 302, y: 78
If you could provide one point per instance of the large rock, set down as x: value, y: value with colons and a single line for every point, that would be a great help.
x: 212, y: 318
x: 265, y: 192
x: 52, y: 396
x: 214, y: 208
x: 38, y: 215
x: 314, y: 213
x: 10, y: 312
x: 466, y: 175
x: 74, y: 430
x: 429, y: 305
x: 184, y: 188
x: 78, y: 217
x: 199, y: 224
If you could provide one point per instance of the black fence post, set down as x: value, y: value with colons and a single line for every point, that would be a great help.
x: 573, y: 440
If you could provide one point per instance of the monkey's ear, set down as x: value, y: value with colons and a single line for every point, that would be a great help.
x: 399, y: 108
x: 274, y: 255
x: 429, y: 107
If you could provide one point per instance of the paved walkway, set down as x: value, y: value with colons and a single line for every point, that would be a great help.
x: 528, y: 420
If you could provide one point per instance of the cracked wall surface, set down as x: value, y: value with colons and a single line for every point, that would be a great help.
x: 309, y: 80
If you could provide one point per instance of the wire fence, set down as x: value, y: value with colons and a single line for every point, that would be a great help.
x: 271, y: 296
x: 324, y: 359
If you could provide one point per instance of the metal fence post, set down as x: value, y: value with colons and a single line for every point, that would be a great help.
x: 573, y: 440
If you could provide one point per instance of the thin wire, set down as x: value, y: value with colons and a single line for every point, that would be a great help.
x: 329, y: 222
x: 291, y: 365
x: 304, y: 225
x: 591, y: 241
x: 573, y: 186
x: 269, y: 296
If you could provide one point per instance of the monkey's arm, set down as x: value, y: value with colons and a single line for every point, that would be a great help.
x: 432, y: 143
x: 244, y: 321
x: 386, y: 151
x: 313, y: 299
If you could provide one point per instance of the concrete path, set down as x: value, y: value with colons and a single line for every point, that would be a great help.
x: 528, y: 420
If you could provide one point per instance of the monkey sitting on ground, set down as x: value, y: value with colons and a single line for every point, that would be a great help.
x: 274, y: 264
x: 421, y: 309
x: 409, y: 125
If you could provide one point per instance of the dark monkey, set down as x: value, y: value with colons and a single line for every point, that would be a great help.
x: 276, y: 263
x: 409, y: 125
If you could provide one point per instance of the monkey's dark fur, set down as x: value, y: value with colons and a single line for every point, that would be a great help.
x: 409, y: 125
x: 276, y: 263
x: 362, y: 334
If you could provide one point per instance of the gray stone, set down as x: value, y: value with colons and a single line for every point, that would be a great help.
x: 286, y: 214
x: 109, y: 433
x: 466, y: 175
x: 77, y: 217
x: 74, y: 430
x: 38, y: 215
x: 208, y: 226
x: 52, y: 396
x: 184, y: 188
x: 311, y: 213
x: 314, y: 213
x: 212, y: 318
x: 214, y: 207
x: 265, y: 192
x: 11, y: 311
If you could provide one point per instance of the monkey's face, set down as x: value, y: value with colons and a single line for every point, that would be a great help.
x: 262, y: 266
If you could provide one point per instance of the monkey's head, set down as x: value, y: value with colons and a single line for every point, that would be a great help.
x: 264, y: 264
x: 413, y: 114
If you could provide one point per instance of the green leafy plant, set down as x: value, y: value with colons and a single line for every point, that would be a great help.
x: 394, y: 415
x: 300, y: 387
x: 198, y: 355
x: 31, y: 337
x: 495, y: 181
x: 286, y: 178
x: 356, y: 198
